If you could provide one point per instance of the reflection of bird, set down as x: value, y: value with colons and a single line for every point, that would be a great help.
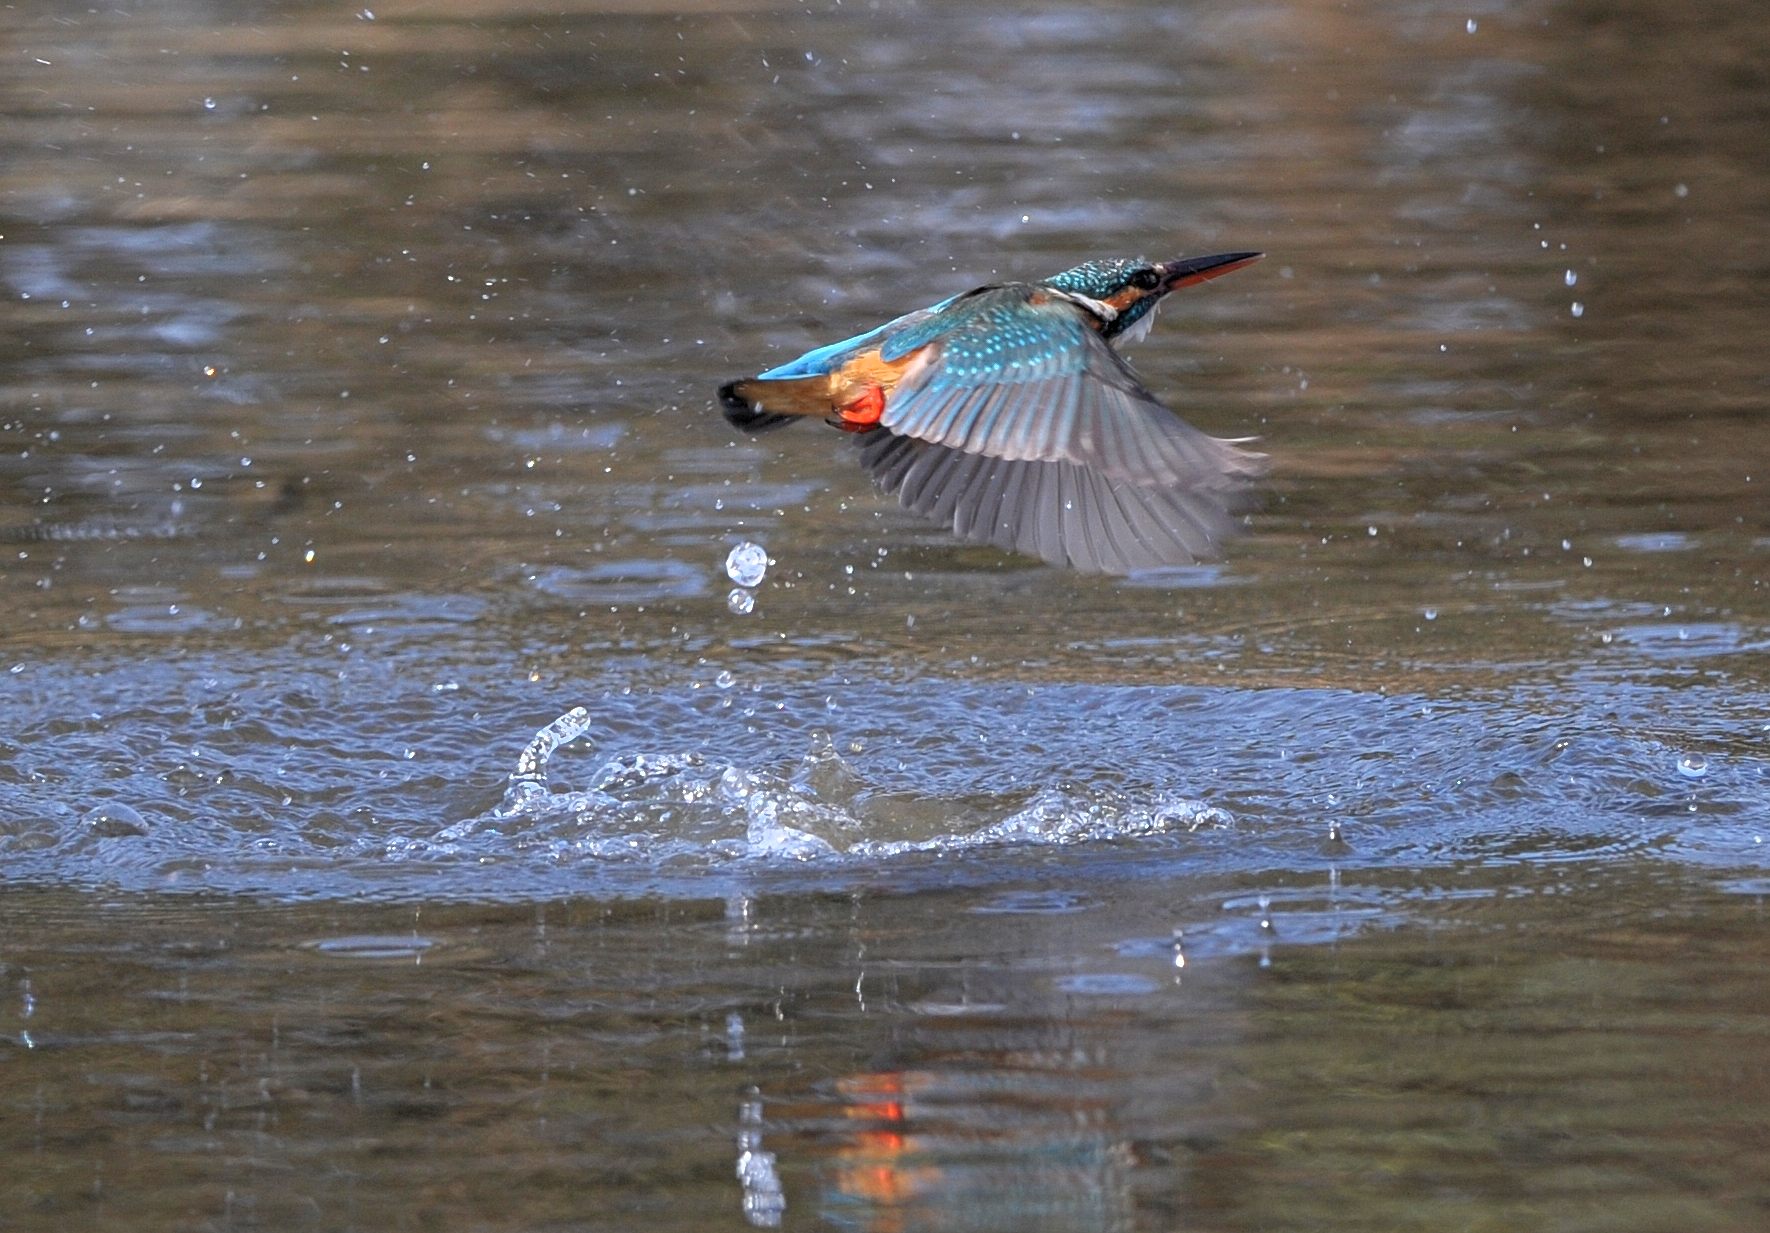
x: 1007, y: 414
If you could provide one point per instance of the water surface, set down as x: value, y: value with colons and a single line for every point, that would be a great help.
x: 355, y: 402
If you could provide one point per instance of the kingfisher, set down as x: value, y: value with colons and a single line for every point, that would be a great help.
x: 1008, y: 415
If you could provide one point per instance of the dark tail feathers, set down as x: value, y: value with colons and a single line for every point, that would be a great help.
x: 740, y: 412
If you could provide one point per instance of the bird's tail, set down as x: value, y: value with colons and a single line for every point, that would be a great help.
x: 756, y: 405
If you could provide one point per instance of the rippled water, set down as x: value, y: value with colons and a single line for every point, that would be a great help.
x: 356, y: 374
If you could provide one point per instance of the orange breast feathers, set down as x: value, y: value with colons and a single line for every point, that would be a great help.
x: 858, y: 388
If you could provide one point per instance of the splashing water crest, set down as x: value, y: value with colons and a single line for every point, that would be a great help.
x: 682, y: 810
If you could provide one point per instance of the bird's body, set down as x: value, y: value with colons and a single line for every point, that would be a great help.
x: 1007, y: 414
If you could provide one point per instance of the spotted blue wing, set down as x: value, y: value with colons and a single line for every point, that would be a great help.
x: 1019, y: 374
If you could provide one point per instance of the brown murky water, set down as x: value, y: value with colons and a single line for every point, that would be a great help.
x: 355, y: 421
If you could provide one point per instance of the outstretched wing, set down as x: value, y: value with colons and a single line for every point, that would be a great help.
x: 1019, y: 373
x: 1025, y: 430
x: 1063, y: 513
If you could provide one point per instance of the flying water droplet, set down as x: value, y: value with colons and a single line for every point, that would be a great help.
x: 741, y: 602
x: 747, y: 564
x: 1470, y: 25
x: 1570, y: 278
x: 725, y: 680
x: 208, y: 104
x: 1693, y: 766
x: 1578, y: 309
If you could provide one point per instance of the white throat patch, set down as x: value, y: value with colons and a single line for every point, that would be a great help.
x: 1139, y: 330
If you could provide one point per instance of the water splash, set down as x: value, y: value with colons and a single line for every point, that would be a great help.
x: 683, y: 811
x: 529, y: 780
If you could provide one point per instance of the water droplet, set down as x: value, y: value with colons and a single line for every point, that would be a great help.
x: 1693, y: 766
x: 1570, y: 278
x: 740, y: 601
x: 1431, y: 614
x: 208, y: 104
x: 1683, y: 190
x: 725, y: 680
x: 746, y: 564
x: 1578, y: 309
x: 1470, y: 25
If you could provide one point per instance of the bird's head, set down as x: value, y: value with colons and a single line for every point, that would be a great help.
x: 1121, y: 292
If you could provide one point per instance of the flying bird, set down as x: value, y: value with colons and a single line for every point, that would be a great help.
x: 1008, y: 415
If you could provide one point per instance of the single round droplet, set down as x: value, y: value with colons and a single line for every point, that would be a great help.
x: 208, y: 104
x: 725, y: 680
x: 1431, y: 614
x: 1470, y: 25
x: 746, y: 564
x: 1693, y: 766
x: 1570, y: 278
x: 740, y: 601
x: 1578, y: 309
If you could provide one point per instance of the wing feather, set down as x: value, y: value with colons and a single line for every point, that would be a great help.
x: 1060, y: 512
x: 1019, y: 374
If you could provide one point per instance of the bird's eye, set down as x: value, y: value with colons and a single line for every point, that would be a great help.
x: 1146, y: 279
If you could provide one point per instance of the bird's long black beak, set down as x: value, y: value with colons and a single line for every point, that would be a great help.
x: 1186, y: 271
